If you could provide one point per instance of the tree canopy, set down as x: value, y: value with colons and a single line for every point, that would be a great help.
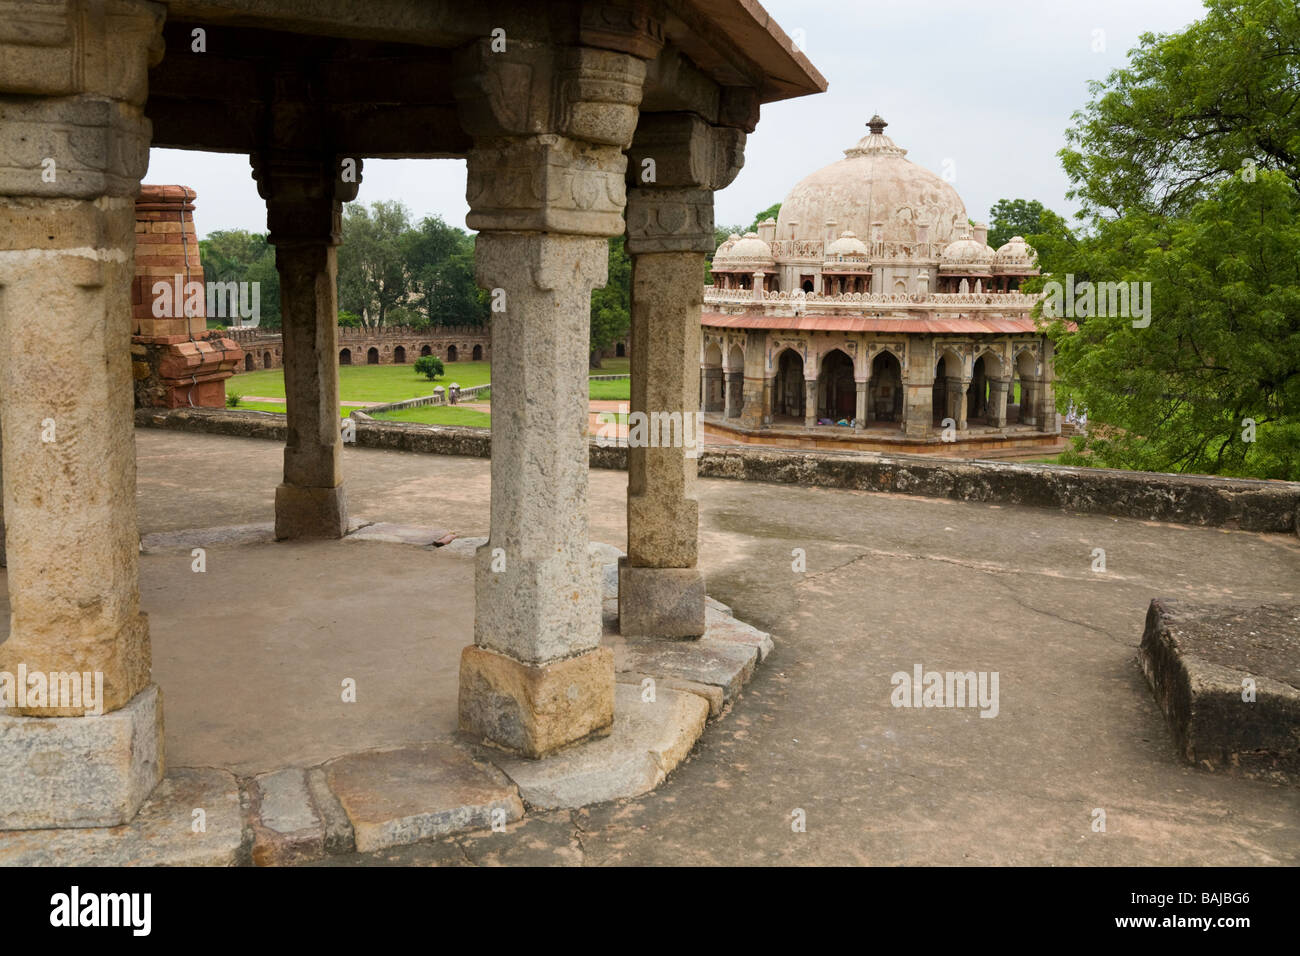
x: 1185, y: 163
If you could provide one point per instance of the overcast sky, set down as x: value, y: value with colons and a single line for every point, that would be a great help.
x: 983, y: 89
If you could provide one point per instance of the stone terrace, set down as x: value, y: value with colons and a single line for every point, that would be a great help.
x: 891, y: 581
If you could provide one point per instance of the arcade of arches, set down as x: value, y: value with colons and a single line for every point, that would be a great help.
x: 923, y: 391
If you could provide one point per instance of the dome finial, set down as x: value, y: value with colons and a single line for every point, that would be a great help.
x: 876, y: 125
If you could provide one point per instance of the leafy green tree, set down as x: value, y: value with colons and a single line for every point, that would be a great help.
x: 1192, y: 109
x: 1212, y: 384
x: 237, y: 255
x: 1187, y: 166
x: 373, y: 275
x: 430, y: 366
x: 611, y: 314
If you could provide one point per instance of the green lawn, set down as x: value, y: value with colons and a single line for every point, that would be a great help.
x: 610, y: 391
x: 395, y: 383
x: 439, y: 415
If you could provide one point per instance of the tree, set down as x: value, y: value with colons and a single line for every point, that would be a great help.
x: 430, y: 366
x: 1192, y: 109
x: 611, y: 314
x: 1043, y: 229
x: 1212, y: 384
x: 440, y: 261
x: 237, y: 255
x: 373, y: 274
x: 1186, y: 165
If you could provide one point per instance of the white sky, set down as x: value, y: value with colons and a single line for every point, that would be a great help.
x: 987, y: 88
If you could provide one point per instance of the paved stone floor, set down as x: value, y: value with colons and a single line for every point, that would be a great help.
x: 891, y: 582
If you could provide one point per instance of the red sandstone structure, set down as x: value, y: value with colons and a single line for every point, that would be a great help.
x: 175, y: 360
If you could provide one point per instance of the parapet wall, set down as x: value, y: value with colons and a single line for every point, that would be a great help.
x: 1249, y: 505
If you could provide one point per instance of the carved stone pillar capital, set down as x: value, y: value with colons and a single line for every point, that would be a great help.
x: 304, y: 194
x: 546, y: 183
x: 528, y: 89
x: 680, y: 149
x: 669, y: 220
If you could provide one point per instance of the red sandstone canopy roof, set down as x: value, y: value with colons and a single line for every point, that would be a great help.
x: 860, y: 323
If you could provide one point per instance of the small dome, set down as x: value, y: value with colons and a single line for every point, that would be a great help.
x: 848, y: 244
x: 727, y: 243
x: 966, y: 254
x: 744, y: 251
x: 1016, y: 253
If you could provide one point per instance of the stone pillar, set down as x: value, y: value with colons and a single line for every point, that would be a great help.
x: 545, y: 189
x: 860, y: 416
x: 956, y: 392
x: 711, y: 376
x: 1049, y: 419
x: 809, y: 402
x: 74, y: 142
x: 670, y: 230
x: 733, y: 382
x: 998, y: 389
x: 918, y: 385
x: 304, y: 206
x: 1028, y: 401
x: 769, y: 393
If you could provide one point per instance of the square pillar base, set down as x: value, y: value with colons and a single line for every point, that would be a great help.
x: 310, y: 512
x: 535, y: 709
x: 660, y: 602
x: 81, y: 771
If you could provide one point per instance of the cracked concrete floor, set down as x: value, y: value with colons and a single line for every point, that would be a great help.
x: 891, y: 581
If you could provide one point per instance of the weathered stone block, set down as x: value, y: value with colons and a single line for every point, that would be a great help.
x: 166, y: 832
x: 80, y: 771
x: 660, y: 602
x: 310, y: 512
x: 397, y: 797
x: 649, y: 739
x: 535, y: 710
x: 1228, y: 681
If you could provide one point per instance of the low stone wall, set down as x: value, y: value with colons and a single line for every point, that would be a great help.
x: 439, y: 397
x: 1269, y: 506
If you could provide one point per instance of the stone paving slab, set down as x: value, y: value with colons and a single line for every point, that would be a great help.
x: 721, y: 626
x: 164, y: 833
x: 403, y: 534
x: 647, y: 741
x: 287, y: 828
x: 712, y: 695
x: 724, y: 664
x: 394, y: 797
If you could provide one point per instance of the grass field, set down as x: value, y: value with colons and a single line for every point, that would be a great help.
x: 395, y: 383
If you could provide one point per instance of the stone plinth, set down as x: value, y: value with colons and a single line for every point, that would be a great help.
x: 1228, y: 681
x: 92, y: 771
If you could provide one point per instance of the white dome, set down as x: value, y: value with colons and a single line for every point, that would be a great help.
x: 1015, y: 254
x: 743, y: 252
x: 848, y: 244
x: 874, y: 183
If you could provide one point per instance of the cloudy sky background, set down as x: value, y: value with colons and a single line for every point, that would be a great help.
x: 984, y: 89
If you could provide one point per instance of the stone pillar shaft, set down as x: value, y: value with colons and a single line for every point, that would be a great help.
x: 998, y: 389
x: 304, y: 201
x: 670, y: 230
x: 809, y: 402
x: 546, y: 188
x: 734, y: 383
x: 75, y: 143
x: 860, y: 415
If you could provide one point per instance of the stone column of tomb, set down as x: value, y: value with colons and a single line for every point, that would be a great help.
x: 669, y: 233
x: 304, y: 192
x: 74, y: 145
x: 546, y: 191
